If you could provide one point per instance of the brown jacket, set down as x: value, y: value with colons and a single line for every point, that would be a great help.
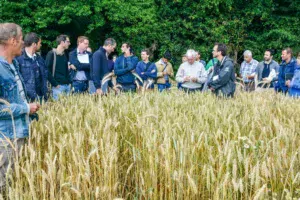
x: 160, y: 67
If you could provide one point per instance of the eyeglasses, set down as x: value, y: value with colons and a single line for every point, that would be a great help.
x: 67, y: 41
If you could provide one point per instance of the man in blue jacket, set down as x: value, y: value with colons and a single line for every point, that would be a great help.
x: 286, y: 70
x: 294, y: 84
x: 124, y: 66
x: 81, y: 59
x: 146, y: 69
x: 100, y: 64
x: 33, y: 68
x: 14, y: 106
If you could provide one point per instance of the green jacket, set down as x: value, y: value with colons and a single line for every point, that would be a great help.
x: 211, y: 63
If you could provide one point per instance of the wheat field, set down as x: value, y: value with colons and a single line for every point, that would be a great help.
x: 162, y: 146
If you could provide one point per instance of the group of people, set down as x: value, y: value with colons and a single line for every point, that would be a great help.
x: 282, y: 77
x: 83, y: 71
x: 26, y: 77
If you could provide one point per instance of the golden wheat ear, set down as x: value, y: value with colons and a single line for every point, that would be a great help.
x: 138, y: 77
x: 137, y: 84
x: 11, y: 114
x: 240, y: 84
x: 149, y: 84
x: 4, y: 102
x: 263, y: 84
x: 107, y: 77
x: 117, y: 87
x: 239, y: 79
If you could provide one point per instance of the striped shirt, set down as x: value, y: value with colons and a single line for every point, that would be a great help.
x: 248, y: 69
x: 19, y: 83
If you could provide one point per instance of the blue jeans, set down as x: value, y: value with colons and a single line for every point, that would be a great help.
x: 62, y: 90
x: 128, y: 88
x: 104, y: 87
x: 294, y: 92
x: 92, y: 88
x: 162, y: 87
x: 179, y: 86
x: 80, y: 86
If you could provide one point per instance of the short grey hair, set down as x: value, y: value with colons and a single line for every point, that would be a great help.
x: 248, y: 53
x: 109, y: 41
x: 8, y: 31
x: 191, y: 53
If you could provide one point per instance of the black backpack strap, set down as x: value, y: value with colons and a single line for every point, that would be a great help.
x: 54, y: 62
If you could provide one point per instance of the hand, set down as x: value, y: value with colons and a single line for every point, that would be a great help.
x: 99, y: 91
x: 34, y: 107
x: 58, y: 86
x: 250, y: 77
x: 72, y: 67
x: 186, y: 79
x: 266, y: 80
x: 288, y: 83
x: 194, y: 79
x: 116, y: 89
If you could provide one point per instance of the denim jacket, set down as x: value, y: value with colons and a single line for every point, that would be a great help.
x: 123, y: 67
x: 295, y: 83
x: 14, y: 117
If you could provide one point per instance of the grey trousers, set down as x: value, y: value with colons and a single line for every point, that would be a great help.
x: 8, y: 155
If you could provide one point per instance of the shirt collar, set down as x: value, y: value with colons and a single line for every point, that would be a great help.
x: 162, y: 62
x: 267, y: 62
x: 14, y: 62
x: 78, y: 52
x: 250, y: 63
x: 3, y: 59
x: 223, y: 60
x: 30, y: 56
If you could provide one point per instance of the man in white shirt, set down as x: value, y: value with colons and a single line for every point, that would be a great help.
x: 81, y: 59
x: 192, y: 75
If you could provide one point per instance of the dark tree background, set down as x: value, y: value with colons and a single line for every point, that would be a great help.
x: 175, y: 25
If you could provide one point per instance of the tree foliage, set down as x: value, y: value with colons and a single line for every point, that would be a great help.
x: 175, y: 25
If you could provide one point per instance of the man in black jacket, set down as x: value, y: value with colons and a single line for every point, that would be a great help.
x: 58, y: 69
x: 100, y: 64
x: 223, y: 79
x: 33, y: 68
